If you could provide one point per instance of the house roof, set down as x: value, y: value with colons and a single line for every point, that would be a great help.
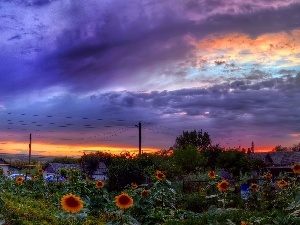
x: 279, y: 158
x: 2, y: 161
x: 55, y: 167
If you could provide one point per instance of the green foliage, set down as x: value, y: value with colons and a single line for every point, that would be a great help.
x: 233, y: 161
x: 65, y: 160
x: 38, y: 202
x: 188, y: 159
x: 198, y: 139
x: 194, y: 202
x: 127, y: 169
x: 211, y: 154
x: 90, y: 162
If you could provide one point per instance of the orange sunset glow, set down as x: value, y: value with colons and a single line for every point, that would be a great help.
x: 267, y: 49
x: 43, y: 149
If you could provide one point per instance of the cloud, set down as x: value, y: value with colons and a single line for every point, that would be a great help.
x: 206, y: 64
x: 108, y: 44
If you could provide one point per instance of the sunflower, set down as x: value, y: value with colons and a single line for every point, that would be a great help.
x: 244, y: 223
x: 19, y: 180
x: 159, y: 175
x: 124, y: 201
x: 99, y: 184
x: 35, y: 177
x: 40, y: 171
x: 268, y: 176
x: 71, y: 203
x: 144, y: 193
x: 223, y: 185
x: 254, y: 187
x: 296, y: 168
x: 212, y: 174
x: 134, y: 186
x: 8, y: 172
x: 1, y: 171
x: 282, y: 183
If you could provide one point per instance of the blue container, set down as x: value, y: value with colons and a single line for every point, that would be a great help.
x: 245, y: 191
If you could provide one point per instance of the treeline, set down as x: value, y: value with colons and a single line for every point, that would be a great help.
x: 191, y: 153
x: 293, y: 148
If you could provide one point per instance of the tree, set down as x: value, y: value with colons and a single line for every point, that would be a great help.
x: 188, y: 158
x: 211, y: 154
x: 198, y: 139
x: 234, y: 161
x: 126, y: 169
x: 295, y: 148
x: 65, y: 160
x: 279, y: 148
x: 90, y: 162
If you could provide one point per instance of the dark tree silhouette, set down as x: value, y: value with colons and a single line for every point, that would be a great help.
x: 193, y: 138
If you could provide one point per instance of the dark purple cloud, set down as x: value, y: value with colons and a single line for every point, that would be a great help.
x: 129, y: 61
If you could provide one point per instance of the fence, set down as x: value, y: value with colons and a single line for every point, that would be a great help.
x: 200, y: 186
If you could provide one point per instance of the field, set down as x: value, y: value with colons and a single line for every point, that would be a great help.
x: 82, y: 201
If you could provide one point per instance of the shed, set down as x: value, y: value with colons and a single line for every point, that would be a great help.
x: 101, y: 172
x: 54, y: 168
x: 5, y: 166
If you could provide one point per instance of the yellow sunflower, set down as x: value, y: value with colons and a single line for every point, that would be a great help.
x: 124, y: 201
x: 296, y: 168
x: 134, y: 186
x: 244, y: 223
x: 99, y: 184
x: 159, y: 175
x: 223, y: 185
x: 282, y: 183
x: 8, y: 172
x: 40, y: 171
x: 254, y: 187
x: 268, y: 176
x: 19, y: 180
x: 35, y: 178
x: 71, y: 203
x: 212, y: 174
x: 144, y: 193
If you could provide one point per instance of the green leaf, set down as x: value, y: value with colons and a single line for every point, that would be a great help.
x: 1, y: 202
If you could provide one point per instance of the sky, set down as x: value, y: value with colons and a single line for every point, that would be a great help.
x: 81, y: 75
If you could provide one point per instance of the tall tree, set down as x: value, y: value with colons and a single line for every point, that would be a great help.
x: 198, y: 139
x: 188, y: 159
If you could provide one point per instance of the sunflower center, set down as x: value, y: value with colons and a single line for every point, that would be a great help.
x: 72, y: 202
x: 99, y: 184
x: 224, y: 185
x: 124, y: 200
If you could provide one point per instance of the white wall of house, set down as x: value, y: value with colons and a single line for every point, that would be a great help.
x: 99, y: 177
x: 4, y: 168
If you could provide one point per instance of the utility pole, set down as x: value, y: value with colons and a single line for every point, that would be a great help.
x: 29, y: 153
x: 140, y: 137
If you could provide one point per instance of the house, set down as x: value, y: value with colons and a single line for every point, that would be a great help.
x: 5, y: 166
x: 54, y: 168
x: 101, y: 172
x: 277, y: 162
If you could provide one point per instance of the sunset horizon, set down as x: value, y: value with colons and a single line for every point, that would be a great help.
x: 41, y: 149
